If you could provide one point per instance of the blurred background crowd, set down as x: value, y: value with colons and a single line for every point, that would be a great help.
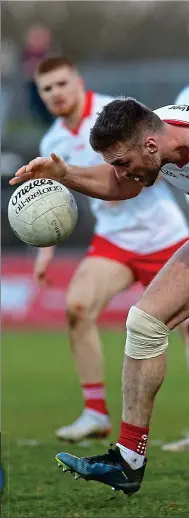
x: 137, y: 48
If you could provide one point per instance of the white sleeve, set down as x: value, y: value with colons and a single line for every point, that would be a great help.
x: 183, y: 96
x: 43, y: 148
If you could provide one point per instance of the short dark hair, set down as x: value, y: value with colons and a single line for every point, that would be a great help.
x: 122, y: 120
x: 52, y: 62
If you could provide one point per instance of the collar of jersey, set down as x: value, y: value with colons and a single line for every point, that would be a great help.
x: 89, y: 96
x: 176, y: 122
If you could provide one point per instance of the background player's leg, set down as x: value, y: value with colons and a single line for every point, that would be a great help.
x: 95, y: 282
x: 166, y: 299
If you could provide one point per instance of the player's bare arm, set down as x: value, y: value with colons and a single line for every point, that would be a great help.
x: 43, y: 260
x: 95, y: 181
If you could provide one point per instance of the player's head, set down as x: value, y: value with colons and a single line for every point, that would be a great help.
x: 59, y: 84
x: 127, y: 134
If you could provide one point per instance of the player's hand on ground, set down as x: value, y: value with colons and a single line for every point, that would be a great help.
x: 41, y: 265
x: 52, y: 167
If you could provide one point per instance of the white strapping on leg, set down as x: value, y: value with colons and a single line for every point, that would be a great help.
x: 147, y: 337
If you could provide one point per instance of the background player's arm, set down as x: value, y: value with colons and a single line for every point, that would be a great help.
x: 96, y: 181
x: 42, y: 262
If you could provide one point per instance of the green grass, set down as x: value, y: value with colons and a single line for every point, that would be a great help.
x: 40, y: 392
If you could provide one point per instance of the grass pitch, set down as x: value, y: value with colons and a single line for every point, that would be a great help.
x: 40, y: 392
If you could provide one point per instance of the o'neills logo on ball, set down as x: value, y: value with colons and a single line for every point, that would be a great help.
x: 29, y: 187
x: 46, y: 186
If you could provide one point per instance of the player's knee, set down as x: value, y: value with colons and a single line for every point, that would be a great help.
x: 78, y: 313
x: 147, y: 337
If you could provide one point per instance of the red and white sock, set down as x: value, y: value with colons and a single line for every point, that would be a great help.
x: 94, y: 396
x: 132, y: 444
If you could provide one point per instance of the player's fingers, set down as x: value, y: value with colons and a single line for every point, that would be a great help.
x: 39, y: 277
x: 37, y: 162
x: 21, y: 171
x: 18, y: 179
x: 55, y: 158
x: 42, y: 280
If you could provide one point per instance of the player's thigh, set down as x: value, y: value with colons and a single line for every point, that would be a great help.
x: 96, y: 281
x: 167, y: 297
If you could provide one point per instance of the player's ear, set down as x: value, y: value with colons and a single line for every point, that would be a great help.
x: 151, y: 145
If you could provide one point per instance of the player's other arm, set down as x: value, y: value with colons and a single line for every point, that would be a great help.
x: 96, y: 181
x: 42, y: 262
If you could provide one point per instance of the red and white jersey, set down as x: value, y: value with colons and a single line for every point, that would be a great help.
x: 148, y: 223
x: 73, y: 145
x: 177, y: 175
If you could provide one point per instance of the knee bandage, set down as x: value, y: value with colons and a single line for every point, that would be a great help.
x: 147, y: 337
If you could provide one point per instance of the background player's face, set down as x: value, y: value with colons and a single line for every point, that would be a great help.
x: 60, y: 90
x: 137, y: 162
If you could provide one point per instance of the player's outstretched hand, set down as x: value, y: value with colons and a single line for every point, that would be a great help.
x: 52, y: 167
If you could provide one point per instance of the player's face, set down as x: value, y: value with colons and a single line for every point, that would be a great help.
x: 142, y: 163
x: 60, y: 90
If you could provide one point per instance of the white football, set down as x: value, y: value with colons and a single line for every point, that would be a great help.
x: 42, y: 212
